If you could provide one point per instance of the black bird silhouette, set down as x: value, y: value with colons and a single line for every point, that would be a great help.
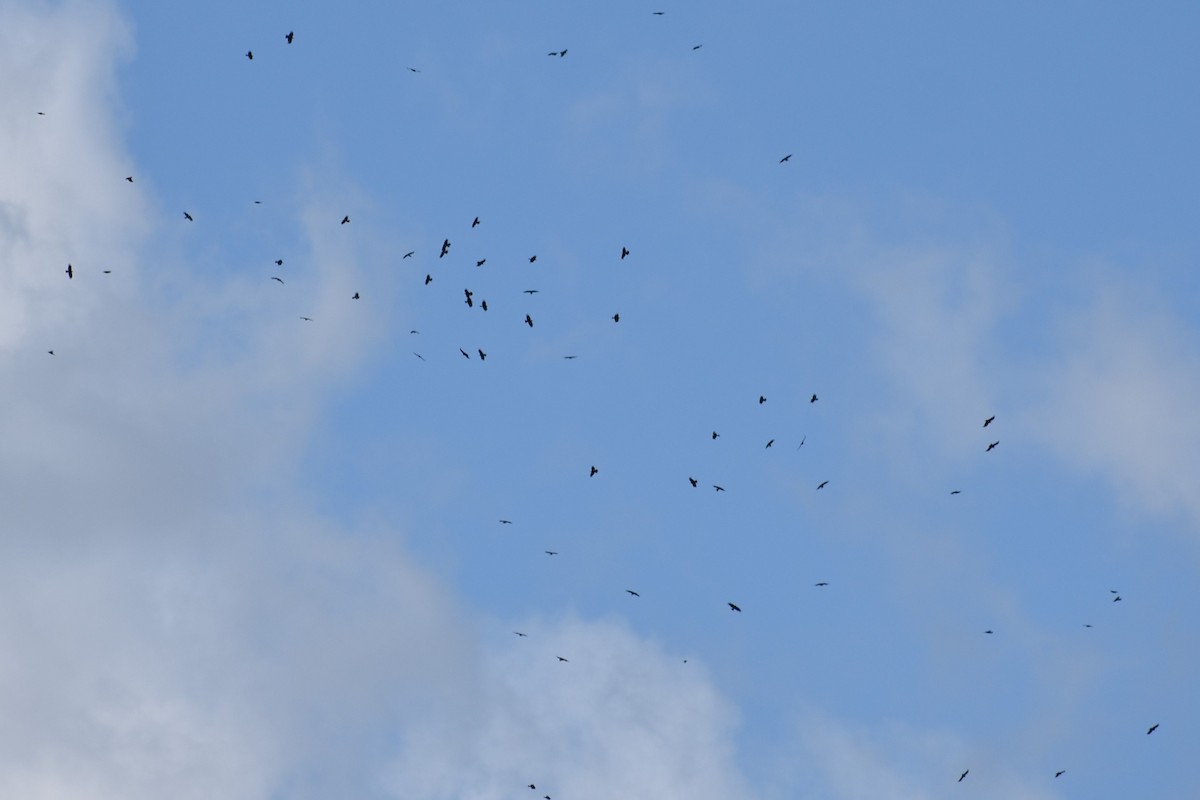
x: 482, y: 356
x: 531, y: 786
x: 356, y: 296
x: 593, y: 472
x: 483, y: 304
x: 697, y: 47
x: 733, y: 607
x: 1060, y: 773
x: 518, y: 633
x: 468, y: 293
x: 532, y: 259
x: 290, y: 35
x: 802, y: 440
x: 822, y: 583
x: 658, y: 13
x: 1153, y: 728
x: 70, y: 272
x: 560, y: 658
x: 718, y: 488
x: 988, y: 632
x: 988, y: 421
x: 956, y: 491
x: 506, y: 522
x: 475, y: 222
x: 481, y: 262
x: 464, y: 353
x: 715, y: 435
x: 129, y: 178
x: 51, y: 352
x: 529, y: 320
x: 960, y: 777
x: 345, y: 219
x: 188, y: 217
x: 788, y: 157
x: 279, y: 262
x: 693, y: 482
x: 250, y: 54
x: 569, y: 358
x: 812, y: 399
x: 413, y: 69
x: 407, y: 255
x: 418, y: 355
x: 307, y: 319
x: 624, y: 252
x: 761, y: 399
x: 1117, y: 599
x: 550, y: 552
x: 632, y: 592
x: 769, y: 444
x: 531, y: 291
x: 990, y: 446
x: 108, y: 272
x: 821, y: 485
x: 616, y: 317
x: 428, y: 278
x: 276, y: 279
x: 445, y: 248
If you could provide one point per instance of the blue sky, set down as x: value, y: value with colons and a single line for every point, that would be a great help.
x: 251, y: 555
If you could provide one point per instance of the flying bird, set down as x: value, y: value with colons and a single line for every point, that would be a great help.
x: 624, y: 252
x: 483, y: 304
x: 70, y: 272
x: 532, y: 259
x: 550, y: 552
x: 822, y: 583
x: 769, y: 444
x: 697, y: 47
x: 988, y: 421
x: 482, y: 356
x: 991, y: 446
x: 956, y: 491
x: 346, y: 219
x: 188, y: 217
x: 529, y: 320
x: 290, y: 35
x: 632, y: 592
x: 475, y: 222
x: 413, y: 69
x: 733, y: 607
x: 481, y: 262
x: 279, y: 262
x: 812, y: 399
x: 593, y: 472
x: 532, y: 291
x: 464, y: 353
x: 445, y: 248
x: 960, y: 777
x: 428, y: 278
x: 129, y: 178
x: 250, y: 54
x: 802, y: 440
x: 822, y: 485
x: 569, y: 358
x: 788, y: 157
x: 1060, y: 773
x: 518, y: 633
x: 407, y: 255
x: 1117, y: 599
x: 718, y: 488
x: 277, y: 279
x: 418, y: 355
x: 51, y: 352
x: 616, y: 317
x: 356, y: 296
x: 506, y: 522
x: 693, y: 482
x: 658, y: 13
x: 468, y: 293
x: 560, y: 658
x: 1153, y: 728
x: 307, y: 319
x: 761, y: 399
x: 715, y: 435
x: 989, y: 632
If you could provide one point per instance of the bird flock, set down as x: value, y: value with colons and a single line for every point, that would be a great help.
x: 620, y: 253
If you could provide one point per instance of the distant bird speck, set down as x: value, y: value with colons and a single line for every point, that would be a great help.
x: 956, y: 491
x: 307, y: 319
x: 632, y: 592
x: 693, y: 482
x: 518, y: 633
x: 279, y: 262
x: 482, y: 356
x: 428, y: 278
x: 129, y: 178
x: 529, y: 320
x: 356, y: 296
x: 988, y: 421
x: 697, y: 47
x: 960, y: 777
x: 464, y: 353
x: 771, y: 442
x: 407, y: 255
x: 1060, y: 773
x: 718, y: 488
x: 821, y: 583
x: 761, y: 399
x: 550, y: 552
x: 481, y: 262
x: 290, y: 36
x: 345, y: 220
x: 250, y: 54
x: 822, y: 485
x: 475, y: 222
x: 991, y: 446
x: 624, y: 252
x: 70, y: 272
x: 483, y: 304
x: 733, y: 607
x: 531, y: 291
x: 593, y: 472
x: 506, y: 522
x: 715, y: 435
x: 277, y: 279
x: 532, y: 259
x: 560, y: 658
x: 616, y: 317
x: 1153, y: 728
x: 445, y: 248
x: 788, y: 157
x: 812, y: 399
x: 188, y: 217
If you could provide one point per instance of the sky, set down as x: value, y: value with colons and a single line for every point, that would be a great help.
x: 253, y: 542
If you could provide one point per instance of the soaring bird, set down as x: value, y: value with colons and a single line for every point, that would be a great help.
x: 346, y: 219
x: 407, y: 255
x: 990, y: 446
x: 822, y: 485
x: 188, y: 217
x: 418, y: 355
x: 483, y: 304
x: 506, y: 522
x: 481, y: 262
x: 290, y: 35
x: 51, y: 352
x: 468, y: 293
x: 529, y: 320
x: 482, y: 356
x: 733, y: 607
x: 1153, y: 728
x: 413, y: 69
x: 279, y: 262
x: 616, y: 317
x: 1117, y: 599
x: 550, y: 552
x: 428, y: 278
x: 570, y: 358
x: 250, y: 54
x: 802, y: 440
x: 532, y: 259
x: 988, y: 421
x: 464, y: 354
x: 1060, y: 773
x: 277, y: 279
x: 788, y: 157
x: 356, y: 296
x: 989, y: 632
x: 761, y: 399
x: 307, y: 319
x: 693, y: 482
x: 718, y: 488
x: 593, y: 472
x: 812, y: 399
x: 445, y: 248
x: 697, y: 47
x: 658, y: 13
x: 715, y: 435
x: 531, y: 291
x: 632, y: 592
x: 531, y: 786
x: 518, y: 633
x: 129, y: 178
x: 956, y: 491
x: 560, y: 658
x: 624, y: 252
x: 960, y: 777
x: 821, y: 583
x: 70, y: 272
x: 769, y: 444
x: 475, y: 222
